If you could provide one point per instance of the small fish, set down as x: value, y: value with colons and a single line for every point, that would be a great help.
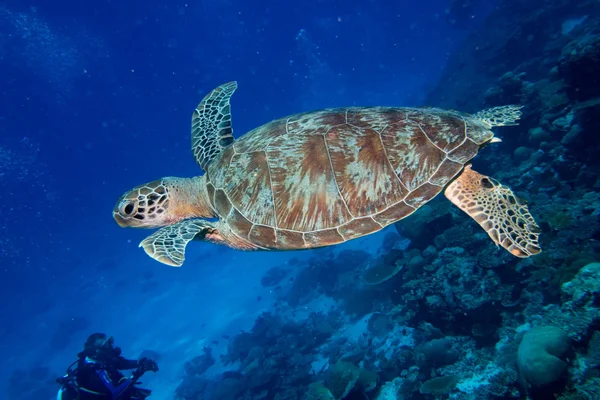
x: 225, y: 336
x: 215, y: 342
x: 259, y: 298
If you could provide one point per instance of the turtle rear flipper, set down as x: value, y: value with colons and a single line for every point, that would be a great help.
x: 496, y: 208
x: 167, y: 245
x: 500, y: 116
x: 211, y: 124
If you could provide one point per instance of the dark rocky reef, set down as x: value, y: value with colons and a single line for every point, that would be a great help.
x: 578, y: 67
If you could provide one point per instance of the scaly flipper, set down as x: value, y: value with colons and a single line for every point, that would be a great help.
x: 167, y: 245
x: 211, y: 124
x: 495, y: 207
x: 500, y: 116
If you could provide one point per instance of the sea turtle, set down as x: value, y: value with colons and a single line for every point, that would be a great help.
x: 325, y: 177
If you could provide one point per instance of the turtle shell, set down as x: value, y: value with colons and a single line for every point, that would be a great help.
x: 325, y: 177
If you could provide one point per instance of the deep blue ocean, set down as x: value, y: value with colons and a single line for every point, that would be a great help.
x: 97, y: 97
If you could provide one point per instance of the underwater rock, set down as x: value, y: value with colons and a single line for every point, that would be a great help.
x: 416, y: 263
x: 316, y: 391
x: 579, y: 66
x: 430, y: 252
x: 511, y: 88
x: 381, y: 273
x: 572, y: 134
x: 563, y: 123
x: 424, y: 224
x: 501, y: 384
x: 198, y: 365
x: 540, y: 355
x: 459, y: 236
x: 439, y: 386
x: 578, y: 312
x: 488, y: 381
x: 522, y: 153
x: 437, y: 353
x: 191, y: 388
x: 391, y: 390
x: 277, y: 344
x: 586, y: 284
x: 327, y: 274
x: 538, y: 135
x: 344, y: 376
x: 553, y: 100
x: 592, y: 356
x: 380, y: 324
x: 228, y: 389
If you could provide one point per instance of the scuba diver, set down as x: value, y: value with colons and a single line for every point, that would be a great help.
x: 96, y: 374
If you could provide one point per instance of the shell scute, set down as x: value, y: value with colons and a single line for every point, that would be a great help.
x: 304, y: 189
x: 447, y: 130
x: 325, y: 237
x: 216, y: 169
x: 447, y: 170
x: 287, y: 240
x: 210, y: 190
x: 359, y: 227
x: 394, y: 213
x: 463, y: 153
x: 263, y: 236
x: 238, y: 223
x: 221, y: 203
x: 375, y: 118
x: 259, y: 138
x: 413, y: 155
x: 362, y: 170
x: 248, y: 186
x: 315, y: 123
x: 422, y: 195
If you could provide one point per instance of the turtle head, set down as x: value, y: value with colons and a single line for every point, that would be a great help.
x: 154, y: 204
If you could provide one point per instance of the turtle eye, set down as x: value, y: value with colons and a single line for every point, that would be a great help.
x: 127, y: 208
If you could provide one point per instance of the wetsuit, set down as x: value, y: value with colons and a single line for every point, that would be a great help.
x: 104, y: 381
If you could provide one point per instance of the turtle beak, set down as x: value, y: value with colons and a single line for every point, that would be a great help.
x: 120, y: 220
x: 495, y: 140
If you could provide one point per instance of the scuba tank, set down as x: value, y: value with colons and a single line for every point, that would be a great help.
x: 69, y: 389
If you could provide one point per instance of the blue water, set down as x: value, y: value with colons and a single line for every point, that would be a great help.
x: 97, y: 97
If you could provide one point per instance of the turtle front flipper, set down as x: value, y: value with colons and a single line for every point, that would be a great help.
x: 495, y: 207
x: 211, y: 124
x: 167, y: 245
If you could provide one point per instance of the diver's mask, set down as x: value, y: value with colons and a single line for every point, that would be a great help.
x: 105, y: 350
